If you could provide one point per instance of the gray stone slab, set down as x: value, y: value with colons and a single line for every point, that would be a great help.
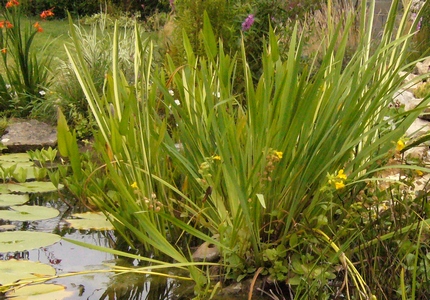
x: 25, y: 135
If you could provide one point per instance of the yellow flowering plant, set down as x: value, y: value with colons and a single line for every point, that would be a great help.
x: 296, y: 123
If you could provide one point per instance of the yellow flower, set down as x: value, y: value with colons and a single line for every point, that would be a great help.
x: 400, y: 145
x: 419, y: 172
x: 278, y: 154
x: 341, y: 174
x: 216, y: 157
x: 339, y: 185
x: 134, y: 185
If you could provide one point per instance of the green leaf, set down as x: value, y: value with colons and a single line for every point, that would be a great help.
x: 12, y: 199
x: 30, y: 187
x: 40, y: 292
x: 13, y: 270
x: 90, y: 220
x: 28, y: 213
x: 261, y: 199
x: 15, y: 157
x: 12, y: 241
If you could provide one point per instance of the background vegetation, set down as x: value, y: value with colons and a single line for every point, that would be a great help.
x: 235, y: 124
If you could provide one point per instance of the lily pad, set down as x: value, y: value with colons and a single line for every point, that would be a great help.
x: 12, y: 199
x: 15, y: 157
x: 13, y: 270
x: 7, y: 227
x: 90, y: 220
x: 12, y: 241
x: 30, y: 187
x: 28, y: 213
x: 40, y: 292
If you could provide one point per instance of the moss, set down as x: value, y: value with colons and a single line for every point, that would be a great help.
x: 422, y: 90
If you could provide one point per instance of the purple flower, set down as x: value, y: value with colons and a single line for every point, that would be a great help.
x: 419, y: 24
x: 248, y: 22
x: 172, y: 4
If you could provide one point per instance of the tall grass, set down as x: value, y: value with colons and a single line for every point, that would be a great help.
x: 271, y: 172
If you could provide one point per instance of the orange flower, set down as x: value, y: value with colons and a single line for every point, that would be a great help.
x: 4, y: 50
x: 38, y: 27
x: 9, y: 25
x: 12, y: 3
x: 1, y: 24
x: 47, y: 13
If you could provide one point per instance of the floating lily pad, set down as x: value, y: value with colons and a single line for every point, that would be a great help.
x: 40, y: 292
x: 15, y: 157
x: 12, y: 199
x: 90, y: 220
x: 29, y: 187
x: 28, y: 213
x: 8, y: 164
x: 7, y: 227
x: 13, y: 270
x: 12, y: 241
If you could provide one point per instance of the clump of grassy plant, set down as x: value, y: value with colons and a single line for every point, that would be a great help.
x: 422, y: 90
x: 26, y: 71
x: 273, y: 172
x: 96, y: 42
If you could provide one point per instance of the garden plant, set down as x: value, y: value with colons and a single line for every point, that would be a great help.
x: 26, y: 75
x: 281, y: 174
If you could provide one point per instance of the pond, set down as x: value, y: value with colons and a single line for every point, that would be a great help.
x: 90, y: 270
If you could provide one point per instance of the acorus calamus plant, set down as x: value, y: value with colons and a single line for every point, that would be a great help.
x: 267, y: 173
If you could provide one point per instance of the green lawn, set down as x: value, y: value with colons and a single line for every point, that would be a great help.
x: 55, y: 33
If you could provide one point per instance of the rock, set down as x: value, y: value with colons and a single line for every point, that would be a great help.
x: 418, y: 128
x: 25, y: 135
x: 422, y: 68
x: 406, y: 98
x: 408, y: 80
x: 417, y: 153
x: 206, y: 252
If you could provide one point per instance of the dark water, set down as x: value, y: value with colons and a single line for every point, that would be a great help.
x: 66, y: 258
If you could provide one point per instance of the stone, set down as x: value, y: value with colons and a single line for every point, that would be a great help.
x: 418, y: 128
x: 423, y: 67
x: 409, y: 80
x: 406, y: 98
x: 207, y: 252
x: 25, y: 135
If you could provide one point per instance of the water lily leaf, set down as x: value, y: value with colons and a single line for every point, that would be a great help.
x: 90, y: 220
x: 8, y: 164
x: 40, y: 292
x: 28, y: 213
x: 7, y: 227
x: 12, y: 241
x: 31, y: 187
x: 13, y: 270
x: 15, y: 157
x: 12, y: 199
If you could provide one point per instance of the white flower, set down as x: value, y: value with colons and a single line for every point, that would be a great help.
x: 177, y: 102
x: 8, y: 86
x: 390, y: 122
x: 42, y: 93
x: 171, y: 92
x: 217, y: 94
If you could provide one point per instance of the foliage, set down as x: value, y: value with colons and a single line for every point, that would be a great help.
x: 80, y: 8
x: 90, y: 7
x: 3, y: 125
x: 422, y: 90
x: 96, y: 42
x: 188, y: 19
x: 276, y: 179
x: 26, y: 71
